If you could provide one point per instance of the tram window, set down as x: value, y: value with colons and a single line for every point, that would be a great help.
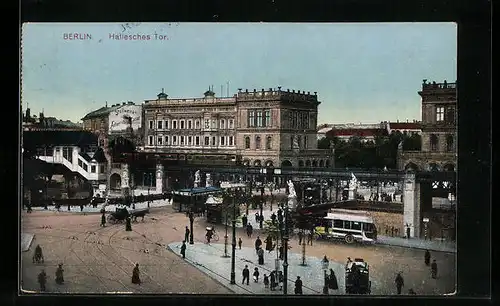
x: 347, y: 224
x: 356, y: 226
x: 368, y: 227
x: 338, y: 223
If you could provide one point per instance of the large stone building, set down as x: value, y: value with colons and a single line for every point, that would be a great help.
x: 439, y: 130
x: 266, y: 128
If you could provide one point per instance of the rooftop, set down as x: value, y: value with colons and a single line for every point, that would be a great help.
x: 49, y: 138
x: 103, y: 111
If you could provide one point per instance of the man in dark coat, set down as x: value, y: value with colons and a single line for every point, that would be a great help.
x: 42, y: 280
x: 244, y: 220
x: 186, y: 234
x: 332, y: 281
x: 298, y: 286
x: 301, y: 235
x: 273, y: 280
x: 183, y: 249
x: 60, y: 275
x: 408, y: 232
x: 258, y: 243
x: 260, y: 254
x: 103, y: 220
x: 239, y: 243
x: 128, y: 225
x: 269, y: 244
x: 38, y: 256
x: 257, y: 217
x: 427, y: 257
x: 81, y: 207
x: 273, y: 218
x: 434, y: 269
x: 310, y: 236
x: 400, y: 283
x: 135, y: 275
x: 246, y: 275
x: 281, y: 252
x: 249, y: 230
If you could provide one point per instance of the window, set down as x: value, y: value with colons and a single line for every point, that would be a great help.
x: 231, y: 140
x: 222, y: 124
x: 102, y: 169
x: 92, y: 169
x: 213, y: 141
x: 257, y: 142
x: 259, y: 118
x: 433, y: 142
x: 190, y: 124
x: 166, y: 140
x: 247, y: 142
x: 222, y: 141
x: 367, y: 227
x: 449, y: 143
x: 174, y: 140
x: 439, y: 113
x: 182, y: 124
x: 190, y: 140
x: 85, y: 167
x: 166, y: 124
x: 150, y: 124
x: 231, y: 123
x: 160, y: 124
x: 197, y: 124
x: 182, y: 140
x: 347, y: 224
x: 80, y: 163
x: 251, y: 118
x: 356, y: 226
x: 299, y: 140
x: 338, y: 223
x: 207, y: 141
x: 197, y: 140
x: 450, y: 115
x: 267, y: 118
x: 160, y: 140
x: 291, y: 142
x: 207, y: 124
x: 305, y: 142
x: 214, y: 124
x: 174, y: 124
x: 269, y: 141
x: 150, y: 140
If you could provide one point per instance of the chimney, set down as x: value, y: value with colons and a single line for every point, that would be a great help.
x: 254, y: 90
x: 246, y: 90
x: 309, y: 93
x: 293, y: 90
x: 288, y: 90
x: 279, y: 88
x: 315, y: 93
x: 270, y: 89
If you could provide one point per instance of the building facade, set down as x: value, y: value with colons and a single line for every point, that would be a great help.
x: 438, y: 130
x: 266, y: 128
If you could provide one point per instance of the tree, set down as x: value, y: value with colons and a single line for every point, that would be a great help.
x: 324, y: 143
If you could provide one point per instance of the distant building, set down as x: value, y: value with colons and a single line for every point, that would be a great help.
x: 439, y: 130
x: 33, y: 123
x: 365, y: 134
x: 414, y: 127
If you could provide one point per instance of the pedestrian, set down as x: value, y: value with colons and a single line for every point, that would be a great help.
x: 261, y: 217
x: 348, y: 261
x: 386, y: 230
x: 30, y: 210
x: 298, y: 286
x: 260, y: 255
x: 257, y: 217
x: 400, y: 283
x: 266, y: 281
x: 392, y: 231
x: 42, y: 280
x: 103, y: 220
x: 244, y: 220
x: 273, y: 218
x: 396, y: 231
x: 186, y: 234
x: 258, y: 243
x: 81, y: 206
x: 332, y: 281
x: 269, y: 244
x: 135, y: 275
x: 407, y: 231
x: 59, y: 275
x: 183, y: 249
x: 69, y: 207
x: 249, y: 230
x: 434, y: 269
x: 300, y: 237
x: 256, y: 275
x: 273, y: 280
x: 58, y: 207
x: 128, y: 225
x: 239, y: 243
x: 246, y: 275
x: 427, y: 257
x: 310, y: 237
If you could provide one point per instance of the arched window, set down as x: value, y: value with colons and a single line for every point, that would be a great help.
x: 301, y: 163
x: 450, y: 144
x: 308, y: 163
x: 315, y: 163
x: 291, y: 142
x: 321, y: 163
x: 247, y: 142
x: 269, y: 142
x: 327, y: 163
x: 434, y: 142
x: 257, y: 142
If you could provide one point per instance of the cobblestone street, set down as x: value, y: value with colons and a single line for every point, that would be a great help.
x: 100, y: 259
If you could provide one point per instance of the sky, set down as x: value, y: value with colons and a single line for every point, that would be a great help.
x: 363, y: 73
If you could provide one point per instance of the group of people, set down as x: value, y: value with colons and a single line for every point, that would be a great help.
x: 42, y: 278
x: 427, y: 260
x: 309, y: 235
x: 272, y: 281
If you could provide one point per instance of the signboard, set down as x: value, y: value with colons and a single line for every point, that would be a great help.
x: 123, y: 117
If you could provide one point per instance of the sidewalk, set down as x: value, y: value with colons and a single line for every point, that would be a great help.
x: 26, y: 240
x: 109, y: 208
x: 431, y: 245
x: 208, y: 259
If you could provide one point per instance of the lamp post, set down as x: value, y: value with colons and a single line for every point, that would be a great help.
x: 285, y: 250
x: 324, y: 264
x: 191, y: 220
x: 261, y: 206
x: 233, y: 253
x: 225, y: 221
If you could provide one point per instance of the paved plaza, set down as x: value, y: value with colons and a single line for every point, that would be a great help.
x: 100, y: 259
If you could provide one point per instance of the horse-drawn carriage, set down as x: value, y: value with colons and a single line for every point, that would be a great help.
x: 122, y: 213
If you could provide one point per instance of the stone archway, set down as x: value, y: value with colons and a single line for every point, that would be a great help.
x: 301, y: 163
x: 269, y: 163
x: 257, y: 163
x: 246, y: 162
x: 308, y: 163
x: 115, y: 181
x: 434, y: 167
x: 321, y: 163
x: 449, y: 167
x: 286, y: 163
x: 327, y: 163
x: 411, y: 167
x: 315, y: 163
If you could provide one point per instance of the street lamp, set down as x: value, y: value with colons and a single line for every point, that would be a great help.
x: 261, y: 205
x: 233, y: 253
x: 285, y: 250
x: 224, y: 201
x: 191, y: 220
x: 324, y: 264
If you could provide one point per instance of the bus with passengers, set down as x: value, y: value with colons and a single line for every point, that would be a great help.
x: 350, y: 226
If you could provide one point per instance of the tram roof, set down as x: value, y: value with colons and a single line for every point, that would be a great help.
x: 197, y: 190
